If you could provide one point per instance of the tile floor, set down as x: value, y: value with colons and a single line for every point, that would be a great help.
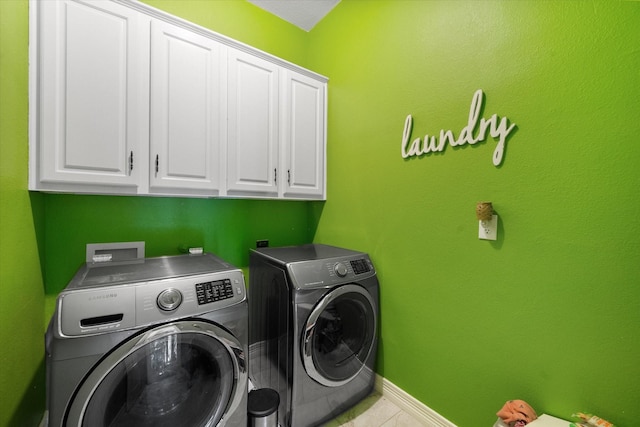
x: 375, y: 411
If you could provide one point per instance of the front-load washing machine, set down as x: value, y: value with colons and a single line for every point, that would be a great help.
x: 152, y: 342
x: 313, y: 313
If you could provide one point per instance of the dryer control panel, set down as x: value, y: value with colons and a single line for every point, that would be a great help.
x: 329, y: 272
x: 360, y: 266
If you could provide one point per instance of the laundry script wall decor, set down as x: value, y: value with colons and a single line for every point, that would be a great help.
x: 475, y: 131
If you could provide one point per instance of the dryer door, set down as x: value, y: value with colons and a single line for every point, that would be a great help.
x: 339, y: 335
x: 187, y: 373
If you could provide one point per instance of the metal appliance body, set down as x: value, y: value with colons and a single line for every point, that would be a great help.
x: 313, y: 330
x: 150, y: 342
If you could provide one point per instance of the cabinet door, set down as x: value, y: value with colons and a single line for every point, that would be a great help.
x: 185, y: 111
x: 93, y: 99
x: 252, y: 149
x: 303, y: 135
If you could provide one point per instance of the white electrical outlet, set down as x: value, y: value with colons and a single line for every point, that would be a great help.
x: 488, y: 230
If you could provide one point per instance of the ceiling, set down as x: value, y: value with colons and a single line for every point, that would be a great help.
x: 302, y: 13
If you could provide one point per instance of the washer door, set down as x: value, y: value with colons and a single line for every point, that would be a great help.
x: 187, y: 373
x: 339, y: 335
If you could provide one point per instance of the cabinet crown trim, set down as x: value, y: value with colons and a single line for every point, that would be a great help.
x: 167, y: 17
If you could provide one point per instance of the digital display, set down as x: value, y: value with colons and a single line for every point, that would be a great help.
x: 214, y: 291
x: 359, y: 266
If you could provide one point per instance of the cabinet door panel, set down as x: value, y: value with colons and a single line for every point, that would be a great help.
x: 304, y: 135
x: 93, y: 111
x: 185, y: 109
x: 104, y: 121
x: 252, y: 125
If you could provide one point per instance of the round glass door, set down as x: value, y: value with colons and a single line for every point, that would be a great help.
x: 179, y: 374
x: 339, y: 335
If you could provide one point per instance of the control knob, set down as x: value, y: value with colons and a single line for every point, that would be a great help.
x: 169, y: 299
x: 340, y: 269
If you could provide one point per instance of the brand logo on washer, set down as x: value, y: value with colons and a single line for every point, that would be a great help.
x: 103, y: 296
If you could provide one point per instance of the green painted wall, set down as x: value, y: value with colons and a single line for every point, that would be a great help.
x: 227, y: 228
x: 550, y: 312
x: 21, y: 287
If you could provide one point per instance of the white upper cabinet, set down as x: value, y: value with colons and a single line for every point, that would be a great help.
x: 252, y: 141
x: 276, y: 130
x: 303, y: 136
x: 127, y: 99
x: 185, y: 111
x: 93, y: 105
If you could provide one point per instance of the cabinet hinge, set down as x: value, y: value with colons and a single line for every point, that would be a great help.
x: 130, y: 162
x: 157, y: 163
x: 275, y: 176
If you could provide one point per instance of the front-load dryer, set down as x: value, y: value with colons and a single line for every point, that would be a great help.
x: 313, y: 313
x: 154, y: 342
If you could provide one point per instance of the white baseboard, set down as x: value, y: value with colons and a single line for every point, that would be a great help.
x: 410, y: 404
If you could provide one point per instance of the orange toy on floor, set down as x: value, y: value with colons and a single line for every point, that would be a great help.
x: 517, y: 413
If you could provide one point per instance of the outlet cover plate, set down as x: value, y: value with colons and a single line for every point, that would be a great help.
x: 488, y: 230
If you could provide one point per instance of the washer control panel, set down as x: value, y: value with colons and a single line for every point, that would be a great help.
x: 111, y: 308
x: 213, y: 291
x: 169, y: 299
